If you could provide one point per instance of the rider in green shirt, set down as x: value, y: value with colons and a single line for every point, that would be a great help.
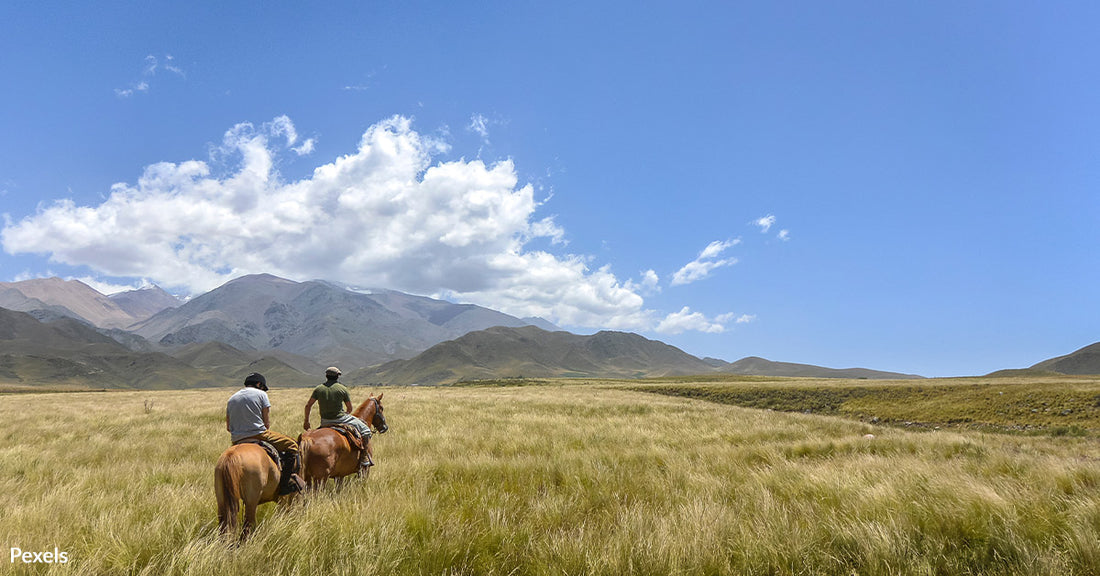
x: 334, y: 403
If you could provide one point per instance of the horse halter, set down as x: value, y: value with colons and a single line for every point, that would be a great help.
x: 378, y: 414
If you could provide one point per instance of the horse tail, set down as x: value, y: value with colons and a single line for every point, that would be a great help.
x: 227, y: 488
x: 305, y: 445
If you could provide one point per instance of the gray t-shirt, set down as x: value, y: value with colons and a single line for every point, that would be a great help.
x: 245, y: 412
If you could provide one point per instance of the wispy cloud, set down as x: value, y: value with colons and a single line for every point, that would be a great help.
x: 142, y: 86
x: 170, y: 66
x: 765, y: 223
x: 705, y: 263
x: 479, y: 125
x: 150, y: 65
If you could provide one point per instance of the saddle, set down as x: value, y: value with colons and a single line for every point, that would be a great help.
x: 271, y: 451
x: 354, y: 438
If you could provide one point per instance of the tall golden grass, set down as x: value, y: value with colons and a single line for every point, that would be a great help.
x: 552, y: 479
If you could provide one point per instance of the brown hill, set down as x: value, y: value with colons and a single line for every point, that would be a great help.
x: 69, y: 353
x: 233, y: 364
x: 1083, y: 361
x: 77, y: 298
x: 528, y: 351
x: 753, y: 365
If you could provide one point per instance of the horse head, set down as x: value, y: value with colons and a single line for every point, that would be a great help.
x: 379, y: 419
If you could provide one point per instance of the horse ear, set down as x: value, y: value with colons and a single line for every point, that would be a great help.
x: 380, y: 396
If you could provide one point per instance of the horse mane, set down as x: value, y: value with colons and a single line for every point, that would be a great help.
x: 362, y: 408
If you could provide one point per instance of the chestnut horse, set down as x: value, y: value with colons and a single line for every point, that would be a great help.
x: 244, y: 472
x: 327, y: 454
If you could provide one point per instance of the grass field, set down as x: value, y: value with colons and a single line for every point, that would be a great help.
x: 561, y: 477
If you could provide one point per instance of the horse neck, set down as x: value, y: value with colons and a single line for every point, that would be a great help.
x: 365, y: 411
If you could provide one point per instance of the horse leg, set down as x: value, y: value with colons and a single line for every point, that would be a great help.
x: 249, y: 519
x: 252, y: 492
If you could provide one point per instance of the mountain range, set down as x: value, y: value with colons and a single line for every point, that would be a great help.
x: 51, y: 298
x: 317, y: 320
x: 64, y: 333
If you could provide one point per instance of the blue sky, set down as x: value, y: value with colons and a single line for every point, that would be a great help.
x: 900, y: 186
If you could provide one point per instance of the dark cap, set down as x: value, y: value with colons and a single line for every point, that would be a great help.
x: 256, y: 380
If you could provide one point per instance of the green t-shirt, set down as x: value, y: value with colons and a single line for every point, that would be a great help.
x: 330, y: 398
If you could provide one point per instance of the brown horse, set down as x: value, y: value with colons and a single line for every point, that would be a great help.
x: 244, y: 472
x: 327, y: 454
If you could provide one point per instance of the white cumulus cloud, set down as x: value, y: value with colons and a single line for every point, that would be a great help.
x: 705, y: 263
x: 384, y: 215
x: 685, y: 320
x: 649, y: 283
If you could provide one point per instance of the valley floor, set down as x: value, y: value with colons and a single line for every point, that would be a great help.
x: 561, y: 477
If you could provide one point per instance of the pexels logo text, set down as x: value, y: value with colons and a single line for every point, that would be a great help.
x: 55, y: 557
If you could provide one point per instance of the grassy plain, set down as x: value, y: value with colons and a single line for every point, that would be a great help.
x: 562, y: 477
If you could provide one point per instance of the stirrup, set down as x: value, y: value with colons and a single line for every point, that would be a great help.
x: 291, y: 484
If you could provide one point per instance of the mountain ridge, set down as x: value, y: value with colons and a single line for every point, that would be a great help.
x: 71, y: 298
x: 529, y: 351
x: 69, y: 353
x: 754, y: 365
x: 318, y: 319
x: 1085, y: 360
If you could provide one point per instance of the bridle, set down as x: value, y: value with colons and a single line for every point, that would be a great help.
x: 378, y: 413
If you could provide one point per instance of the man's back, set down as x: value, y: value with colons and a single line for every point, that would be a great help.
x: 330, y: 398
x: 244, y: 412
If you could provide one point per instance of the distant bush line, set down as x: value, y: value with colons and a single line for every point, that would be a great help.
x: 1015, y: 408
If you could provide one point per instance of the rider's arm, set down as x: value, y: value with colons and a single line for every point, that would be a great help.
x: 227, y: 428
x: 347, y: 406
x: 266, y: 415
x: 309, y: 406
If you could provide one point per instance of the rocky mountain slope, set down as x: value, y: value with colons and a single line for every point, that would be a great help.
x: 318, y: 320
x: 144, y: 303
x: 54, y: 298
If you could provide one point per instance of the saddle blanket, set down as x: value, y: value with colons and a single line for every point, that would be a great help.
x: 271, y: 451
x: 355, y: 439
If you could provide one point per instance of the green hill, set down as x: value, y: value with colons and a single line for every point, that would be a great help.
x: 529, y: 351
x: 67, y: 353
x: 1083, y: 361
